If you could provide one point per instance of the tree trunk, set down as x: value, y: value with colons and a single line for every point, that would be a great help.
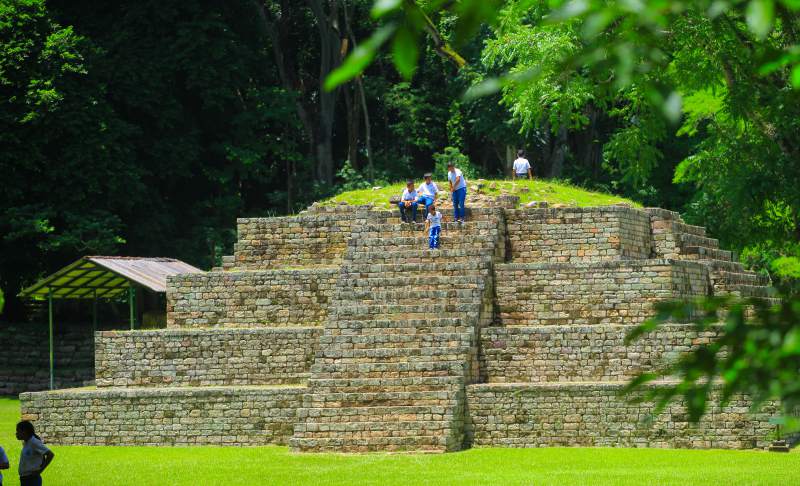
x: 363, y: 99
x: 353, y: 126
x: 315, y: 109
x: 330, y: 57
x: 559, y: 154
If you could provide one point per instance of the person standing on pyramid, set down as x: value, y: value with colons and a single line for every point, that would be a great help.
x: 458, y: 189
x: 427, y: 192
x: 408, y: 201
x: 522, y: 168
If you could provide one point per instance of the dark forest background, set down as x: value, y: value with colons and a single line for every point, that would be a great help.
x: 146, y: 128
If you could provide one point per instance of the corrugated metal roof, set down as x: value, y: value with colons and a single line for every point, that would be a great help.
x: 107, y: 276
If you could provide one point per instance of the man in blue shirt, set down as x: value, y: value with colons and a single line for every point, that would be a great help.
x: 458, y: 188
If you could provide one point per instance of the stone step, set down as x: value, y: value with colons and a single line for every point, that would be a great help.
x: 419, y: 255
x: 752, y: 291
x: 688, y: 239
x: 393, y: 242
x: 383, y: 385
x: 412, y: 326
x: 745, y: 278
x: 704, y: 253
x: 384, y: 355
x: 430, y: 443
x: 437, y: 266
x: 443, y: 397
x: 725, y: 266
x: 380, y: 369
x: 396, y: 229
x: 689, y: 229
x: 416, y: 282
x: 406, y: 295
x: 353, y: 312
x: 395, y: 426
x: 355, y: 341
x: 473, y: 213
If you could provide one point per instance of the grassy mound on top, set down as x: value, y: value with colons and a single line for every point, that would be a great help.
x: 537, y: 190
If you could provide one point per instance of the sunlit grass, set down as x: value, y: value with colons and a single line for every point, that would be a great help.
x: 553, y: 192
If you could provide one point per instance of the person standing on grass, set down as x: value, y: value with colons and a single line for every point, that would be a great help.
x: 3, y: 463
x: 35, y: 455
x: 458, y: 189
x: 408, y: 201
x: 433, y: 225
x: 522, y: 168
x: 427, y: 192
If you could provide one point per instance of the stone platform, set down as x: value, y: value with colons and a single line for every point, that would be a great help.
x: 337, y: 330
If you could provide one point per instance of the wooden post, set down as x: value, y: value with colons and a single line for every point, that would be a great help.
x: 131, y: 302
x: 50, y: 333
x: 94, y: 317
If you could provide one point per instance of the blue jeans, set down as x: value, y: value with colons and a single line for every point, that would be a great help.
x: 403, y: 210
x: 433, y: 237
x: 428, y: 202
x: 459, y: 196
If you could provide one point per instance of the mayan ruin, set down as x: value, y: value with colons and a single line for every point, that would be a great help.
x: 334, y: 330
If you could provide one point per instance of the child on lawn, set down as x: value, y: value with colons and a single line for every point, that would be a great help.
x: 433, y: 224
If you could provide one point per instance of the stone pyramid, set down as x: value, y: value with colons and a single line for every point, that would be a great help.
x: 337, y: 330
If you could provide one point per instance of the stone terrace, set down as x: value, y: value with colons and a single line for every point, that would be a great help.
x: 337, y: 330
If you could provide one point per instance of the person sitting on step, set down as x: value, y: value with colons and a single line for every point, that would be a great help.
x: 427, y: 192
x: 433, y: 225
x: 408, y: 201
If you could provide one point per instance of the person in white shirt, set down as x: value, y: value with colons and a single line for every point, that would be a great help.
x: 522, y: 168
x: 427, y: 192
x: 35, y: 455
x: 433, y: 225
x: 408, y: 200
x: 458, y: 189
x: 3, y: 463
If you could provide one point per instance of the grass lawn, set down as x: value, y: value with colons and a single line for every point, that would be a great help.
x: 538, y: 190
x: 107, y: 466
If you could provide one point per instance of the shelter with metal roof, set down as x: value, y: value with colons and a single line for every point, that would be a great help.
x: 104, y: 277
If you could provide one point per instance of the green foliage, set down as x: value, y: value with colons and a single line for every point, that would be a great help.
x: 756, y: 353
x: 2, y: 301
x: 351, y: 179
x: 461, y: 161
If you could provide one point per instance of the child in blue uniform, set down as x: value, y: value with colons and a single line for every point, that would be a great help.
x: 433, y: 224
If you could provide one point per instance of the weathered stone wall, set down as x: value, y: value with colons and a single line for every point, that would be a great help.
x: 205, y: 357
x: 616, y: 292
x: 592, y: 415
x: 165, y: 416
x: 267, y: 298
x: 312, y: 238
x: 580, y: 353
x: 25, y: 358
x: 577, y: 234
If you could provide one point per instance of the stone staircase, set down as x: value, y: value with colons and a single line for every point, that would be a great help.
x: 673, y: 238
x: 401, y: 340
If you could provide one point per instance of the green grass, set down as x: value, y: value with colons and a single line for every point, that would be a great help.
x: 108, y: 466
x: 538, y: 190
